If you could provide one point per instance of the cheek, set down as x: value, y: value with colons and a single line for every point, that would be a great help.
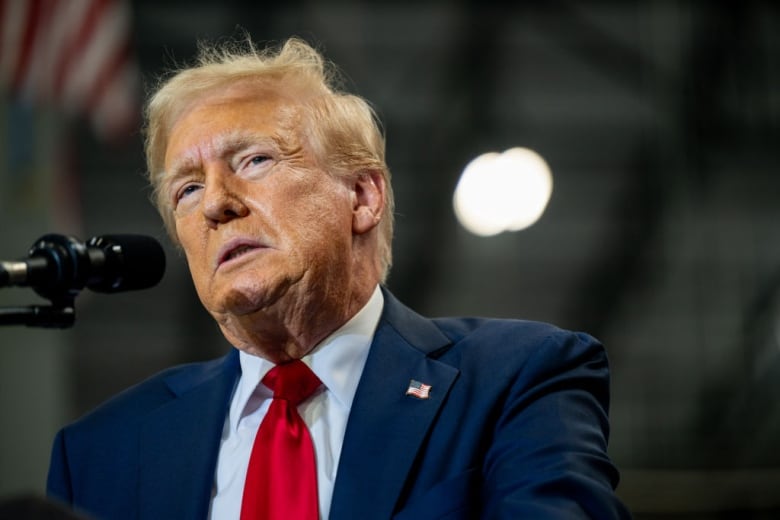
x: 313, y: 211
x: 192, y: 243
x: 327, y: 237
x: 325, y: 218
x: 189, y: 231
x: 198, y: 273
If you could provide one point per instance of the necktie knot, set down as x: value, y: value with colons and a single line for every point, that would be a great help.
x: 294, y: 382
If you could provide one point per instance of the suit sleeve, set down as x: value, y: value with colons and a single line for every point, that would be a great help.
x: 58, y: 483
x: 548, y: 458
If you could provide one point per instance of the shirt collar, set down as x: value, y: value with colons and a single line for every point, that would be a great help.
x: 337, y: 361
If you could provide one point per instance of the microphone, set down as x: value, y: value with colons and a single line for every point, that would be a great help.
x: 58, y: 265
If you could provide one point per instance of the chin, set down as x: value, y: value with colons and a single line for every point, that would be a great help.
x: 239, y: 303
x: 248, y: 296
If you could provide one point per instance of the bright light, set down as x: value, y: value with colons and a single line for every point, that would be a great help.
x: 502, y: 192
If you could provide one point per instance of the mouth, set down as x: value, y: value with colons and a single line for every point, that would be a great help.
x: 235, y: 253
x: 235, y: 250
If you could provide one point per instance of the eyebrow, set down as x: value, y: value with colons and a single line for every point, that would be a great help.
x: 225, y: 145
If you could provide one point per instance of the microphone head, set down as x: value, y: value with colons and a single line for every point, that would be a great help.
x: 132, y: 262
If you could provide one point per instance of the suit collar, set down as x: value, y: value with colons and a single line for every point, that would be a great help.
x: 386, y: 427
x: 182, y: 381
x: 180, y: 440
x: 417, y: 331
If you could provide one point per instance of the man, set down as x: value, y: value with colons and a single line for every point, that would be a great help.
x: 275, y: 186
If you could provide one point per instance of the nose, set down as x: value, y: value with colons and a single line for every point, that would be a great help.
x: 222, y: 200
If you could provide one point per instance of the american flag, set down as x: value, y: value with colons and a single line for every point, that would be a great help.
x: 75, y: 56
x: 418, y: 389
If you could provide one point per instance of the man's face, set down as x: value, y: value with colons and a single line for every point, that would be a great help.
x: 265, y: 230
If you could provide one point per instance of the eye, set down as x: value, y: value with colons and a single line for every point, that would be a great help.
x: 254, y: 161
x: 186, y: 190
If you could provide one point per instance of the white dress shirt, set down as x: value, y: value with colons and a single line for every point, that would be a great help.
x: 338, y: 361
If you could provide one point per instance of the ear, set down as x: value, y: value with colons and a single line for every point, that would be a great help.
x: 368, y: 201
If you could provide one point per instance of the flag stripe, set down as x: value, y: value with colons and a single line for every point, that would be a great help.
x: 28, y: 38
x: 64, y: 17
x: 67, y: 70
x: 31, y: 84
x: 76, y: 54
x: 103, y: 55
x: 106, y: 75
x: 115, y: 109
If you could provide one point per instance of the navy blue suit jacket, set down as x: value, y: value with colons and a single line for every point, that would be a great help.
x: 515, y: 427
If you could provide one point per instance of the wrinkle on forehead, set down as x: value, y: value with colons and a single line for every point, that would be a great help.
x: 261, y: 90
x: 282, y: 131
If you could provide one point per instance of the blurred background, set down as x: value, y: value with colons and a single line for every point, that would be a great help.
x: 659, y: 122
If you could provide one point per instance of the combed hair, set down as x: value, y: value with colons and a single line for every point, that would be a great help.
x: 342, y: 129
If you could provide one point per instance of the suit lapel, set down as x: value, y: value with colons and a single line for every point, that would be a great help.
x: 386, y: 427
x: 179, y: 443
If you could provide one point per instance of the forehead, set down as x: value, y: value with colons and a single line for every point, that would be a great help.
x: 243, y: 111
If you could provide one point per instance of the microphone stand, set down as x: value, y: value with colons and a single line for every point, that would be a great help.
x: 61, y: 314
x: 53, y: 316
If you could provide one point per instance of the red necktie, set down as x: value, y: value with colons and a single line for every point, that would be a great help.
x: 281, y: 481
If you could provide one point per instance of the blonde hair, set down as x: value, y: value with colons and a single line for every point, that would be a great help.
x: 342, y: 129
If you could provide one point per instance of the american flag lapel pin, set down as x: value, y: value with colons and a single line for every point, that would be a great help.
x: 418, y: 389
